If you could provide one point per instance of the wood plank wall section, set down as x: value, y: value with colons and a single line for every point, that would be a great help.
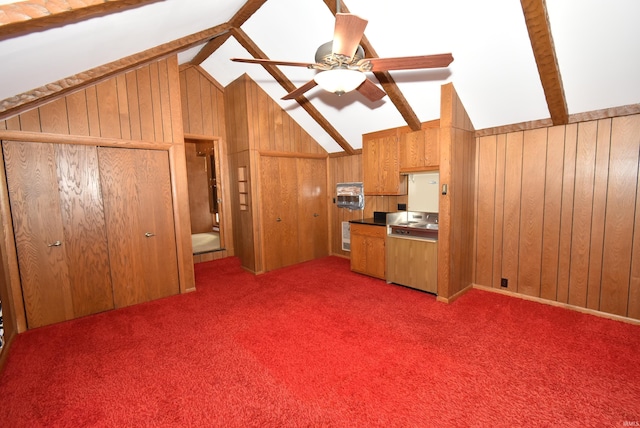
x: 203, y: 115
x: 257, y: 126
x: 136, y: 105
x: 138, y: 108
x: 342, y: 169
x: 457, y: 208
x: 558, y: 214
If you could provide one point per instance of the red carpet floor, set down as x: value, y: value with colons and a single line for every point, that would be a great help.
x: 316, y: 345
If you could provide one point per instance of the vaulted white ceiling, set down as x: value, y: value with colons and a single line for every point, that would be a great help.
x: 494, y: 71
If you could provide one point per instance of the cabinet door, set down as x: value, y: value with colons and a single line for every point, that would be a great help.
x: 59, y: 230
x: 368, y: 252
x: 381, y: 165
x: 413, y: 263
x: 313, y: 225
x: 136, y: 189
x: 279, y: 210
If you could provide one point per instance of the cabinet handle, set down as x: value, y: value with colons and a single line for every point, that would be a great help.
x: 149, y: 234
x: 55, y: 244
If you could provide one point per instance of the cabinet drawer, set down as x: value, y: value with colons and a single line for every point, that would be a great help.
x: 368, y: 230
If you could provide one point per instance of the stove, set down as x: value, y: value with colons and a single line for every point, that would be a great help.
x: 413, y: 224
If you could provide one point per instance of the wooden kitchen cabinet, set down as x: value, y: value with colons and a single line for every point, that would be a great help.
x: 368, y: 253
x: 420, y: 150
x: 381, y: 164
x: 413, y: 263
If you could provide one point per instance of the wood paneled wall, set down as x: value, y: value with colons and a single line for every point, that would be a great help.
x: 203, y: 116
x: 140, y: 108
x: 558, y: 214
x: 456, y: 211
x: 138, y: 105
x: 256, y: 126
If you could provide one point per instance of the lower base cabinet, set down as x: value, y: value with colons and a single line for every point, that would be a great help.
x: 368, y: 249
x: 413, y: 263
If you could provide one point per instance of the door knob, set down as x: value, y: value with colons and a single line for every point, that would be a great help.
x: 278, y: 219
x: 149, y: 234
x: 55, y: 244
x: 316, y: 214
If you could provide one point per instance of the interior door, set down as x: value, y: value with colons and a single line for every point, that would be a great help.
x: 136, y: 187
x: 279, y: 208
x: 59, y: 229
x: 313, y: 224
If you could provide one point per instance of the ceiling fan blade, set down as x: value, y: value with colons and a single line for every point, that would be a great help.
x: 409, y: 62
x: 271, y: 62
x: 347, y: 33
x: 301, y: 90
x: 371, y: 91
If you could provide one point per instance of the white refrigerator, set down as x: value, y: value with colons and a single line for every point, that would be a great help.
x: 424, y: 191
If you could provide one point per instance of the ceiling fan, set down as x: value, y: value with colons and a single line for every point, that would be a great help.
x: 342, y: 62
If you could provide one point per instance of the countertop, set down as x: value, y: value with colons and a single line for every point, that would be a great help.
x: 370, y: 221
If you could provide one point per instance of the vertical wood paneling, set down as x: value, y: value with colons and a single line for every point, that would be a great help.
x: 108, y: 109
x: 619, y: 223
x: 135, y: 124
x: 123, y: 106
x: 566, y: 215
x: 589, y: 223
x: 54, y: 118
x: 145, y: 98
x: 582, y: 213
x: 77, y: 110
x: 165, y: 102
x: 30, y: 121
x: 92, y: 111
x: 156, y: 105
x: 498, y: 221
x: 552, y: 213
x: 534, y: 153
x: 511, y: 219
x: 599, y: 206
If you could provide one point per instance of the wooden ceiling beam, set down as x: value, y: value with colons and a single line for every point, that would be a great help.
x: 209, y: 48
x: 245, y: 12
x: 386, y: 80
x: 537, y: 20
x: 43, y: 94
x: 288, y: 86
x: 24, y: 17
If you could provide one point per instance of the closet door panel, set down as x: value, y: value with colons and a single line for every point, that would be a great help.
x: 313, y: 232
x: 85, y: 234
x: 39, y: 234
x: 136, y: 190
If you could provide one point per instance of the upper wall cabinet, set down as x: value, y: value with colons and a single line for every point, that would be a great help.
x: 381, y: 164
x: 420, y: 150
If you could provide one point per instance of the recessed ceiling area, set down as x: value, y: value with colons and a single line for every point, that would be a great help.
x: 494, y: 69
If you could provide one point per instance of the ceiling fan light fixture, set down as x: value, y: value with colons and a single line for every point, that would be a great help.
x: 339, y: 80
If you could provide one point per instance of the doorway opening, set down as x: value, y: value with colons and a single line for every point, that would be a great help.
x: 205, y: 197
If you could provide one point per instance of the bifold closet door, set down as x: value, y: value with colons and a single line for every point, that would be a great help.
x: 136, y: 188
x: 313, y: 224
x: 58, y: 221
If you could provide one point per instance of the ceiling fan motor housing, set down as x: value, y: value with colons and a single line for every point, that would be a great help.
x: 325, y: 55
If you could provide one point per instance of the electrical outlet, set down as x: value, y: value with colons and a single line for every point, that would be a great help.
x: 504, y: 282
